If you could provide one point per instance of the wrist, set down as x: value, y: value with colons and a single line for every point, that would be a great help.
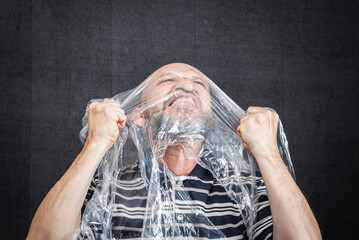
x: 272, y: 157
x: 266, y: 151
x: 100, y: 147
x: 272, y: 167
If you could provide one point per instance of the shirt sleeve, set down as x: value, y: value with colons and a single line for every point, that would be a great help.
x: 93, y: 221
x: 263, y: 223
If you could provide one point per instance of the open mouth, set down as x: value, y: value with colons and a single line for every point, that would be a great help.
x: 184, y: 101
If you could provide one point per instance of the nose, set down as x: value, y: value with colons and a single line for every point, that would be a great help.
x: 186, y: 84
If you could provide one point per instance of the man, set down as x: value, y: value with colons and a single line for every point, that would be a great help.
x: 59, y: 214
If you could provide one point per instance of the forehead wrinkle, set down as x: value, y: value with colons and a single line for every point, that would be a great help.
x: 174, y: 74
x: 171, y: 75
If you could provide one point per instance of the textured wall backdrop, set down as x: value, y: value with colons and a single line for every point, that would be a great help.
x: 298, y: 57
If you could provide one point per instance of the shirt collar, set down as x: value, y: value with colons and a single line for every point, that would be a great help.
x: 198, y: 171
x: 201, y: 172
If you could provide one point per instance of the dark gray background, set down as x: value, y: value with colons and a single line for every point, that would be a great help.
x: 298, y: 57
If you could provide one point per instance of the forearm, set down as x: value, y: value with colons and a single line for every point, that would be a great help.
x: 292, y: 216
x: 59, y: 213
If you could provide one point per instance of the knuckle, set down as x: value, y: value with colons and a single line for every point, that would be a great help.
x: 272, y: 113
x: 98, y: 108
x: 93, y: 106
x: 106, y: 110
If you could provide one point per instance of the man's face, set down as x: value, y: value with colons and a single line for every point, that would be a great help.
x: 180, y: 90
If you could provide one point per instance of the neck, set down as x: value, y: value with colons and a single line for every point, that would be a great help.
x: 177, y: 161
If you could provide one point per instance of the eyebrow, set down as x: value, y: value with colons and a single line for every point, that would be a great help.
x: 165, y: 75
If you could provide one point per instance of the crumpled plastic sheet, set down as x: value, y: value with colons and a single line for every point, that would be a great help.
x: 210, y: 126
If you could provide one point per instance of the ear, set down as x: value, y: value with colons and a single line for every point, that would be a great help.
x: 139, y: 117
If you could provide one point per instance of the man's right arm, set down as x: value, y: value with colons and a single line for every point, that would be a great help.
x: 59, y: 214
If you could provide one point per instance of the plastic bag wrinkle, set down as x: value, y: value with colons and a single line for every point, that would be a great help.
x: 203, y: 122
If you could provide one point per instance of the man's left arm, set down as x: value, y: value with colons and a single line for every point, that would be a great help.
x: 291, y: 213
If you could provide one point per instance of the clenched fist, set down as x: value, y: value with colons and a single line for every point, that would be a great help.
x: 258, y: 131
x: 104, y: 121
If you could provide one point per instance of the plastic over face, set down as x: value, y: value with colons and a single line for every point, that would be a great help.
x: 175, y: 107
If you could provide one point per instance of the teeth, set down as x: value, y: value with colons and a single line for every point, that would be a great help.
x: 183, y: 100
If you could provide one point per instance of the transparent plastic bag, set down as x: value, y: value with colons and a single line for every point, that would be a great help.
x: 176, y: 107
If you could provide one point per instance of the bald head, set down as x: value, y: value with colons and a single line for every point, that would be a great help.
x: 183, y: 68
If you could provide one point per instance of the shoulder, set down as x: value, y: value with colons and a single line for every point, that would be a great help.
x: 128, y: 173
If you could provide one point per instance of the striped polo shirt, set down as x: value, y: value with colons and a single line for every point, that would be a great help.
x: 202, y: 192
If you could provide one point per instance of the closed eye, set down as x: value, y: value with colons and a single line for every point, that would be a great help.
x: 200, y: 83
x: 165, y: 80
x: 204, y: 85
